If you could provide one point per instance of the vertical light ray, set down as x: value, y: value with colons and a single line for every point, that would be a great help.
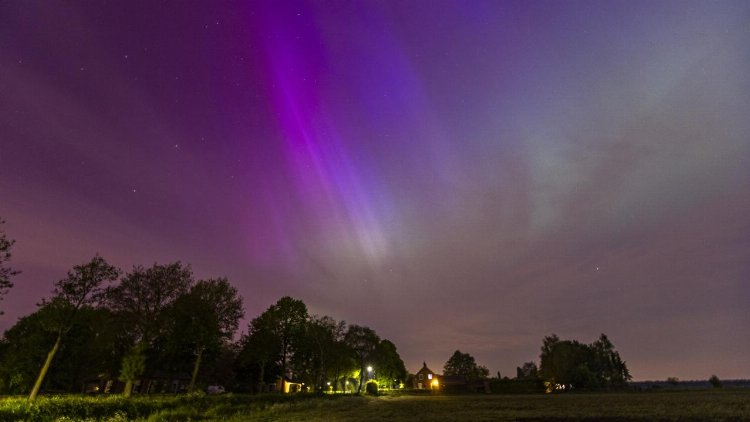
x: 327, y: 182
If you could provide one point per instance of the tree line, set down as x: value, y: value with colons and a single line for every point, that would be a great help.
x: 565, y: 365
x: 154, y: 322
x: 160, y: 320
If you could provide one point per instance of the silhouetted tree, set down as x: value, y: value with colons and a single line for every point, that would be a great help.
x: 141, y: 301
x: 715, y: 381
x: 204, y: 318
x: 574, y: 364
x: 363, y: 342
x: 608, y: 367
x: 463, y: 364
x: 315, y: 352
x: 82, y: 287
x: 5, y: 272
x: 260, y: 348
x: 275, y: 335
x: 288, y: 316
x: 389, y: 368
x: 527, y: 371
x: 342, y: 360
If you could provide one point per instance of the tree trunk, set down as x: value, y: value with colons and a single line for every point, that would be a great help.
x: 195, y: 369
x: 128, y: 388
x: 261, y: 380
x: 361, y: 378
x: 45, y: 368
x: 320, y: 385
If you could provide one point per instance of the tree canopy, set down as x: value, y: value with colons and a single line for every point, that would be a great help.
x: 389, y: 368
x: 463, y: 364
x: 363, y: 342
x: 145, y: 293
x: 83, y: 287
x: 572, y: 364
x: 203, y: 318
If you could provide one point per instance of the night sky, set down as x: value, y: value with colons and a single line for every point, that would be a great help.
x: 456, y: 175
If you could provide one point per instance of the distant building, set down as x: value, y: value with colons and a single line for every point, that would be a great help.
x: 287, y: 385
x: 427, y: 379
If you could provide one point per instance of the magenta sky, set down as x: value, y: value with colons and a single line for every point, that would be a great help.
x: 457, y: 175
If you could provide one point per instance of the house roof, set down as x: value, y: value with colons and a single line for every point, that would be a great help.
x: 425, y: 369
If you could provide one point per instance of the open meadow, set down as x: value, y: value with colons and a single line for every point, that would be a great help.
x: 727, y: 405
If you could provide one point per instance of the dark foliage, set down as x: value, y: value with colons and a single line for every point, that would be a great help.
x: 463, y: 364
x: 5, y: 272
x: 569, y: 364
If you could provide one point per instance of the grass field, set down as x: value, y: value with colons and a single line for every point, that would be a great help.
x: 723, y: 405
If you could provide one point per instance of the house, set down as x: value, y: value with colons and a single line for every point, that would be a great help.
x: 287, y: 385
x: 426, y: 379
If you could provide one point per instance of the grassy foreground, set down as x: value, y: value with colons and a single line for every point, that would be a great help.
x: 727, y: 405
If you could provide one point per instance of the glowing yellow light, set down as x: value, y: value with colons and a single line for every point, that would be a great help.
x: 435, y: 383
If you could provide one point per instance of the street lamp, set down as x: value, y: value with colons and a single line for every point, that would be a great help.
x: 369, y: 372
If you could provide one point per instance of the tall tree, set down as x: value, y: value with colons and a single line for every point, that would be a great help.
x: 5, y: 272
x: 83, y: 286
x: 316, y: 351
x: 141, y: 300
x: 289, y: 315
x: 563, y: 362
x: 260, y: 348
x: 593, y: 366
x: 609, y: 368
x: 363, y: 341
x: 463, y: 364
x: 205, y: 317
x: 340, y: 357
x: 390, y: 369
x: 275, y: 335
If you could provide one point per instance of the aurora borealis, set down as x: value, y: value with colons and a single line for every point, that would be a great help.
x: 456, y: 175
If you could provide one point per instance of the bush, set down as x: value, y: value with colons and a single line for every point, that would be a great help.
x: 372, y: 388
x: 715, y: 381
